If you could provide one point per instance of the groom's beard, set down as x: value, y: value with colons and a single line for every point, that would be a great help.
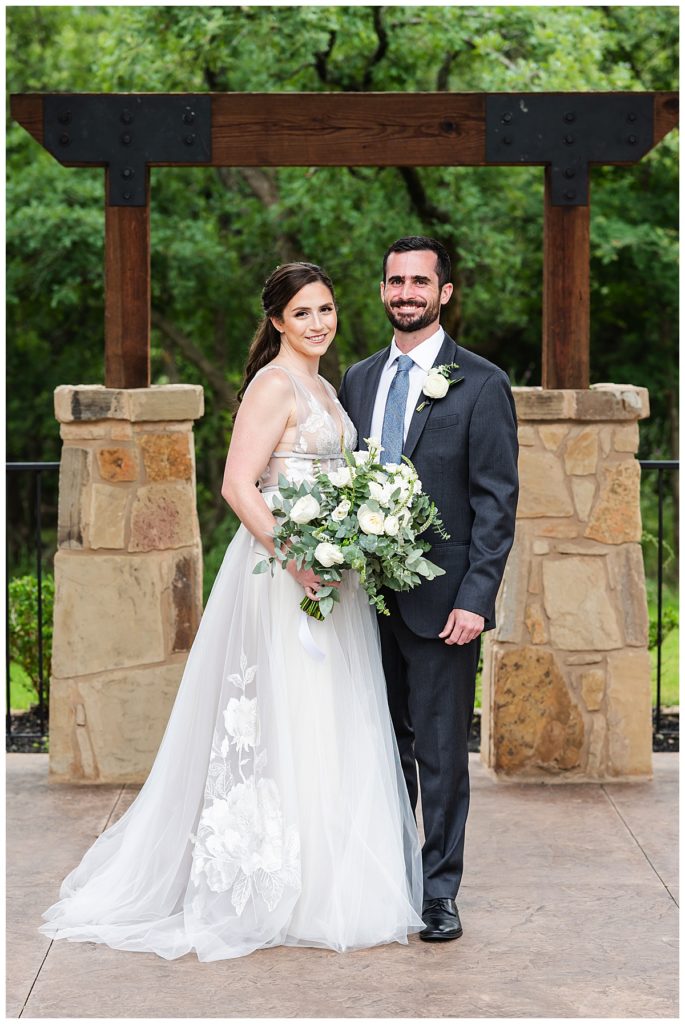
x: 421, y: 316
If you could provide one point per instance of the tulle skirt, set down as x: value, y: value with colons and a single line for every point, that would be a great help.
x: 275, y: 812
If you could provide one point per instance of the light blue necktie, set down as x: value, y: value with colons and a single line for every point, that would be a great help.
x: 392, y: 437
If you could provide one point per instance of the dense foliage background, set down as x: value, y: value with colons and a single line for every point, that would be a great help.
x: 217, y: 233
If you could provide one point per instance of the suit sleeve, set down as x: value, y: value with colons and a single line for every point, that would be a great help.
x: 493, y: 495
x: 342, y: 394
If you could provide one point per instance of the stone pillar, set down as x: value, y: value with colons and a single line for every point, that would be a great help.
x: 128, y: 576
x: 567, y: 676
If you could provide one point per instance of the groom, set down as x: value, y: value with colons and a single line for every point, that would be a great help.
x: 462, y: 439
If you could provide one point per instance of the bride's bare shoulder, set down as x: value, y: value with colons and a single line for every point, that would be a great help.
x: 269, y: 382
x: 269, y: 396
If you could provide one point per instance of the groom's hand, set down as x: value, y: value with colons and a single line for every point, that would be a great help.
x: 462, y: 627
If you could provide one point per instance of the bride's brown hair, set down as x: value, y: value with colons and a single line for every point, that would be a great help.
x: 280, y: 286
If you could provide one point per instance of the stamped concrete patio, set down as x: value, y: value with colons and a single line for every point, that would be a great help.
x: 569, y: 907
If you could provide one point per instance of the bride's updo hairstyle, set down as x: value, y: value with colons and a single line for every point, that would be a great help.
x: 280, y: 287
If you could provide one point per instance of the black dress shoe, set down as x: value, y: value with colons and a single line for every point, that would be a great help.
x: 441, y: 919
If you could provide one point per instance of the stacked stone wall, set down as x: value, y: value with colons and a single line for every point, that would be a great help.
x: 567, y: 692
x: 128, y: 576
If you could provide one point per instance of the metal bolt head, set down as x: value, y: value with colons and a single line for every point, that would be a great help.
x: 632, y: 116
x: 569, y: 172
x: 570, y: 193
x: 126, y: 139
x: 64, y: 117
x: 569, y: 140
x: 127, y: 195
x: 126, y: 116
x: 569, y: 117
x: 189, y: 139
x: 127, y: 172
x: 64, y: 139
x: 506, y: 118
x: 188, y: 116
x: 507, y: 140
x: 632, y: 139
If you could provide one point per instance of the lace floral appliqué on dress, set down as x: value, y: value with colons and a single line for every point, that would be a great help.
x: 242, y: 846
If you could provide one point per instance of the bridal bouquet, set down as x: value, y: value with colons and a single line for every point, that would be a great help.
x: 364, y: 516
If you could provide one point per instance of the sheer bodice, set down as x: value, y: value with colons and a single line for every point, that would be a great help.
x: 316, y: 441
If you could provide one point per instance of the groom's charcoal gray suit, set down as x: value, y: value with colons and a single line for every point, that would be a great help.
x: 465, y: 449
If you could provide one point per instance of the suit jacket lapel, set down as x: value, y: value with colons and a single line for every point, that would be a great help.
x: 447, y: 354
x: 369, y: 395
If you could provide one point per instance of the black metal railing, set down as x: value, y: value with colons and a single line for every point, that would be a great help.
x: 661, y: 466
x: 36, y: 469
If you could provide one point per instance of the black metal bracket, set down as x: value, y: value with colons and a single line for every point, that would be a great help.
x: 127, y: 133
x: 568, y: 132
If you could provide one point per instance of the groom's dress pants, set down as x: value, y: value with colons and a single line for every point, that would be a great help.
x: 431, y: 690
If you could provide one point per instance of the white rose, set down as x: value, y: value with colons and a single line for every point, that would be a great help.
x: 241, y: 721
x: 370, y: 521
x: 418, y: 486
x: 361, y: 458
x: 341, y: 477
x: 328, y: 554
x: 304, y: 509
x: 380, y: 492
x: 392, y: 526
x: 375, y: 443
x: 404, y: 516
x: 341, y: 510
x: 435, y: 386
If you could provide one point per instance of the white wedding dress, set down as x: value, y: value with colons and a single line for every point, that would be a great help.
x: 275, y: 812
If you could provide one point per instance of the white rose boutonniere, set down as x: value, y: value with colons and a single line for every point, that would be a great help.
x: 438, y: 382
x: 436, y: 386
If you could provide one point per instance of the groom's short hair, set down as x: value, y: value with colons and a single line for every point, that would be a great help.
x: 414, y: 243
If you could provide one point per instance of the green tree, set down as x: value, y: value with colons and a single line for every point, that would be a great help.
x: 217, y: 233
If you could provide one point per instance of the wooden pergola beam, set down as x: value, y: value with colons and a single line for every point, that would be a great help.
x: 345, y: 129
x: 377, y: 130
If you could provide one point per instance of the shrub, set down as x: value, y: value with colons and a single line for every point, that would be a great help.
x: 669, y: 621
x: 23, y: 626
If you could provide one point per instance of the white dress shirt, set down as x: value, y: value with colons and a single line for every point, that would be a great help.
x: 424, y: 356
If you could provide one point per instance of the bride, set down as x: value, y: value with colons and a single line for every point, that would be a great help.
x: 276, y: 811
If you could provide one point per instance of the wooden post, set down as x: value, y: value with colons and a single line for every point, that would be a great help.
x: 127, y: 294
x: 565, y: 295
